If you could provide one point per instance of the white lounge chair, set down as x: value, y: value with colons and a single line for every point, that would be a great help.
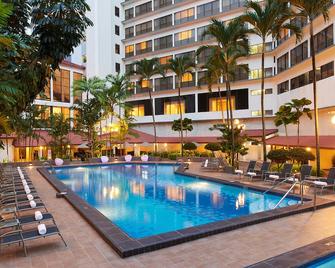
x: 59, y: 162
x: 128, y: 158
x: 144, y: 158
x: 104, y: 159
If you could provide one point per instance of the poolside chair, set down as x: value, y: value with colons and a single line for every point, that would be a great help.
x: 279, y: 176
x: 144, y: 158
x: 104, y: 159
x: 259, y: 173
x: 211, y: 164
x: 325, y: 182
x: 21, y: 236
x: 251, y: 166
x: 59, y: 162
x: 305, y: 172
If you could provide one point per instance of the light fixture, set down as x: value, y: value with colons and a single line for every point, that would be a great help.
x: 332, y: 120
x: 236, y: 122
x: 308, y: 149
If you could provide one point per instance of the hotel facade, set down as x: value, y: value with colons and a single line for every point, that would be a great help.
x: 127, y: 31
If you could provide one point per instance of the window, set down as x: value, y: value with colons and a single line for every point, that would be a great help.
x: 256, y: 113
x: 184, y: 38
x: 142, y: 9
x: 189, y: 54
x: 130, y: 68
x: 117, y: 30
x: 163, y: 22
x: 200, y: 33
x: 202, y: 78
x: 163, y: 42
x: 129, y: 32
x: 241, y: 74
x: 184, y: 16
x: 143, y: 86
x: 165, y: 60
x: 299, y: 22
x: 283, y: 87
x: 45, y: 94
x: 129, y: 13
x: 257, y: 74
x: 129, y: 50
x: 162, y: 3
x: 299, y: 53
x: 257, y: 92
x: 143, y: 47
x: 144, y: 28
x: 284, y: 35
x: 282, y: 63
x: 61, y: 110
x: 117, y: 12
x: 231, y: 4
x: 77, y: 97
x: 324, y: 39
x: 256, y: 49
x: 172, y: 107
x: 299, y: 81
x: 117, y: 49
x: 220, y: 104
x: 137, y: 110
x: 61, y: 86
x: 117, y: 67
x: 188, y: 80
x: 208, y: 9
x: 327, y: 70
x: 164, y: 83
x: 204, y: 56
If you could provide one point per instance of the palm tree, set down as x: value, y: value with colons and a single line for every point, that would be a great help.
x: 181, y: 66
x: 298, y: 107
x: 269, y: 19
x: 232, y: 44
x: 146, y: 69
x: 284, y: 117
x: 310, y: 10
x: 113, y: 95
x: 88, y: 86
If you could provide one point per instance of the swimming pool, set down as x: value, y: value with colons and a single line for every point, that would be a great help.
x: 146, y: 200
x: 327, y: 262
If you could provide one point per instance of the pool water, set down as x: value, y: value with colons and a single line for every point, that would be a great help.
x: 327, y: 262
x: 145, y: 200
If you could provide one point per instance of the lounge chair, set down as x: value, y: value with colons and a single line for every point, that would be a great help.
x: 251, y: 167
x: 325, y: 182
x: 305, y: 173
x: 279, y: 176
x: 104, y: 159
x: 128, y: 158
x: 259, y: 173
x: 21, y: 236
x: 144, y: 158
x: 211, y: 164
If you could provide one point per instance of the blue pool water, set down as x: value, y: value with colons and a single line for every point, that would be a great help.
x: 328, y: 262
x: 145, y: 200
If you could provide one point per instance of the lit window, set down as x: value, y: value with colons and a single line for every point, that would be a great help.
x: 137, y: 110
x: 165, y: 60
x: 173, y: 107
x: 129, y: 49
x: 185, y: 35
x: 187, y: 78
x: 145, y: 83
x: 143, y: 45
x: 218, y: 104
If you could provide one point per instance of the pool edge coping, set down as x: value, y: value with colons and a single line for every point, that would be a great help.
x: 126, y: 246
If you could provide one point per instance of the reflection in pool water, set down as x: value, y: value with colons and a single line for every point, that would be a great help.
x: 146, y: 200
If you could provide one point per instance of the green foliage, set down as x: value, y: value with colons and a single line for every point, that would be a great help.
x: 187, y: 125
x: 190, y: 146
x: 284, y: 116
x: 279, y: 156
x: 333, y: 161
x: 59, y: 129
x: 213, y: 147
x: 227, y: 147
x: 300, y: 155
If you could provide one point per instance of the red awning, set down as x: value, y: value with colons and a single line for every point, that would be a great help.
x: 45, y: 139
x: 326, y: 142
x: 143, y: 137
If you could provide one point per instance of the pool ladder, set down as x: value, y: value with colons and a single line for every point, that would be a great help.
x: 48, y: 163
x: 287, y: 192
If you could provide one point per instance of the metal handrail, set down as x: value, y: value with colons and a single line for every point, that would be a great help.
x: 286, y: 194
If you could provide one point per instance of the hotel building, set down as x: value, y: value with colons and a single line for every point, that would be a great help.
x: 172, y: 28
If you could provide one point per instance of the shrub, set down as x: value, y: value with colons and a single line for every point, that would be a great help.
x: 279, y: 156
x: 333, y: 161
x: 301, y: 156
x: 189, y: 146
x: 173, y: 156
x: 213, y: 147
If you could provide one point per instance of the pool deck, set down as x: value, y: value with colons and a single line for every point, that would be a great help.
x: 237, y: 248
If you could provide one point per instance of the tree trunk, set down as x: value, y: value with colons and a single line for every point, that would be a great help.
x: 181, y: 118
x: 298, y: 129
x: 286, y: 136
x: 221, y: 104
x: 230, y: 119
x: 262, y: 101
x: 315, y: 100
x: 153, y: 121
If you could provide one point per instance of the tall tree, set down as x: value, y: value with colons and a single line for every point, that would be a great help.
x: 145, y: 70
x: 181, y: 66
x: 310, y: 10
x: 299, y: 108
x: 88, y: 86
x: 268, y: 18
x: 187, y: 125
x: 232, y: 44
